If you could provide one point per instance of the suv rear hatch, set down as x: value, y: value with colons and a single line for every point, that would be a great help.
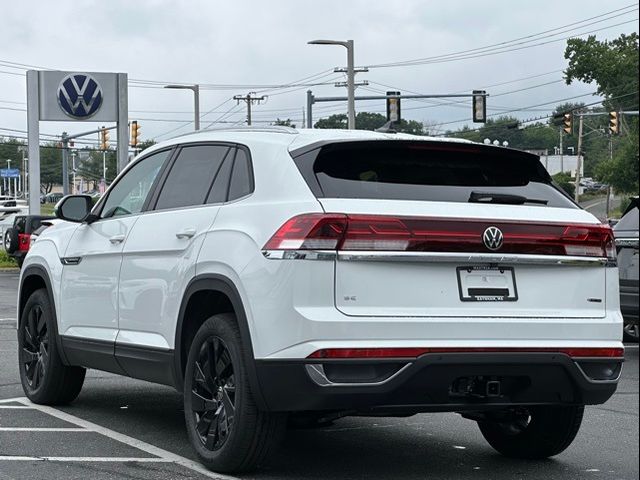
x: 444, y: 229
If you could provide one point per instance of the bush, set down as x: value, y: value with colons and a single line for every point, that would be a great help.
x: 563, y: 180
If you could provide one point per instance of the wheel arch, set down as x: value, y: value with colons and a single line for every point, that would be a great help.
x: 35, y: 277
x: 223, y: 290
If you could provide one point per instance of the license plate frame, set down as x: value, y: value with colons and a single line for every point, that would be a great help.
x: 504, y: 288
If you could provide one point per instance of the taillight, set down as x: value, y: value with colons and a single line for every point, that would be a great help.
x: 414, y: 352
x: 317, y: 231
x: 314, y: 231
x: 24, y: 241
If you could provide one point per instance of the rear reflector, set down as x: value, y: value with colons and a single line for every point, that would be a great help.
x: 329, y: 353
x: 342, y: 232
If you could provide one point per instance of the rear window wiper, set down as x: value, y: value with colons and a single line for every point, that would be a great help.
x: 506, y: 198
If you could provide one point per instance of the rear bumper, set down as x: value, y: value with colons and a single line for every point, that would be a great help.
x: 435, y: 382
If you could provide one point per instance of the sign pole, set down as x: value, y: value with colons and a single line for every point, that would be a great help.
x: 123, y: 122
x: 33, y: 140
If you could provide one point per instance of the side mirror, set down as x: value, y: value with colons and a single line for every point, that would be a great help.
x: 73, y: 208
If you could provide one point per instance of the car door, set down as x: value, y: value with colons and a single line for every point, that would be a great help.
x: 88, y: 306
x: 160, y: 253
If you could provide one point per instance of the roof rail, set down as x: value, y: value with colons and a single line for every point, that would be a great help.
x: 265, y: 129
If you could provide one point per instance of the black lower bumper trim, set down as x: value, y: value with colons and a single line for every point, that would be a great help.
x: 431, y: 383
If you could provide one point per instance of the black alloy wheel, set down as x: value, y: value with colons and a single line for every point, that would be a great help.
x: 35, y: 351
x: 213, y: 394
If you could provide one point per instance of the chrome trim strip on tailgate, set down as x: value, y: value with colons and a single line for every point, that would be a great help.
x: 627, y: 242
x: 438, y: 257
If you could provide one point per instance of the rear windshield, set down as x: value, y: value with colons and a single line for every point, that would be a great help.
x: 428, y: 171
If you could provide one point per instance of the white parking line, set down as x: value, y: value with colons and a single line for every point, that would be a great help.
x: 15, y: 407
x: 10, y: 458
x: 161, y: 454
x: 42, y: 429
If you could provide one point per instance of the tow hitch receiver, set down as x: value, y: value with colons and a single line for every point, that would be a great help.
x: 478, y: 386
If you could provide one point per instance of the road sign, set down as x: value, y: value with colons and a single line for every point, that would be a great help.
x: 9, y: 173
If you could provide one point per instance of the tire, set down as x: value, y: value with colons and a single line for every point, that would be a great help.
x: 535, y: 433
x: 11, y: 240
x: 45, y: 380
x: 225, y: 444
x: 630, y: 332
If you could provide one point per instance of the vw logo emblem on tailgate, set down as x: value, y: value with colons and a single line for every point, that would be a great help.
x: 79, y: 95
x: 493, y: 238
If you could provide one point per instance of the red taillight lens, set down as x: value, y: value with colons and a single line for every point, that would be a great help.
x: 386, y: 233
x: 23, y: 242
x: 314, y: 231
x: 579, y: 352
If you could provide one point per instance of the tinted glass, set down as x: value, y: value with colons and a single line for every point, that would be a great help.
x: 129, y: 194
x: 241, y: 178
x: 191, y: 176
x: 220, y: 187
x: 429, y: 172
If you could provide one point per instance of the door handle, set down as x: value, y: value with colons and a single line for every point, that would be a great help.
x: 116, y: 239
x: 186, y: 233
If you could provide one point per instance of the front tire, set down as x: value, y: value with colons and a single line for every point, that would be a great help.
x: 45, y: 379
x: 535, y: 432
x: 226, y: 429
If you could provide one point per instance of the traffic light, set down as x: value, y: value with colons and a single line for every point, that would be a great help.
x: 135, y: 133
x: 104, y: 139
x: 567, y: 123
x: 614, y: 123
x: 479, y: 106
x: 393, y: 107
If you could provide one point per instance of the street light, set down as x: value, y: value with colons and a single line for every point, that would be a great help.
x: 351, y: 102
x: 196, y: 101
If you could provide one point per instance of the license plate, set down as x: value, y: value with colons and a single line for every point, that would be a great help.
x: 487, y: 284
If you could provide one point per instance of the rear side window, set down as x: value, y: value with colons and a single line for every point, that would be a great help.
x: 428, y: 171
x: 241, y: 177
x: 191, y: 175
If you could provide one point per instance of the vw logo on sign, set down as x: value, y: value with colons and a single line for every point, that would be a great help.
x: 79, y: 95
x: 493, y: 238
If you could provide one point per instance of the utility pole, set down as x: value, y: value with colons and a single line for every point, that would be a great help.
x: 561, y: 151
x: 65, y: 163
x: 249, y: 100
x: 579, y: 159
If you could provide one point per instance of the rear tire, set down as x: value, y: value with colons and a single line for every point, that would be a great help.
x: 45, y: 379
x: 630, y: 332
x: 534, y: 433
x: 224, y: 425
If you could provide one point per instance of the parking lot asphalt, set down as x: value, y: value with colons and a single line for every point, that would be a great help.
x: 120, y: 428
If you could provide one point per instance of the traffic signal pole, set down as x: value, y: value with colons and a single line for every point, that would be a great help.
x: 579, y: 159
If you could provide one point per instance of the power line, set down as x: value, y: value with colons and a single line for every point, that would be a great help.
x: 516, y: 41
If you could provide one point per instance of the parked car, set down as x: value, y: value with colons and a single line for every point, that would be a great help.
x: 17, y: 238
x: 626, y: 234
x: 314, y: 274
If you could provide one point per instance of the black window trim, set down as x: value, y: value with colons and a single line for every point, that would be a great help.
x: 97, y: 209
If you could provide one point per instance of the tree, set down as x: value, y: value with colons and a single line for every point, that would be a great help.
x: 284, y: 123
x: 613, y: 65
x: 50, y: 166
x: 334, y: 121
x: 622, y: 171
x: 145, y: 144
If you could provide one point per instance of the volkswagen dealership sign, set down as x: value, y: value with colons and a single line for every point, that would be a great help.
x: 78, y: 96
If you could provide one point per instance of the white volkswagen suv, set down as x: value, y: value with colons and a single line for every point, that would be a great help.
x: 274, y: 273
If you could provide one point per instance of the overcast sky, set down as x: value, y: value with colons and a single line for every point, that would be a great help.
x: 264, y: 43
